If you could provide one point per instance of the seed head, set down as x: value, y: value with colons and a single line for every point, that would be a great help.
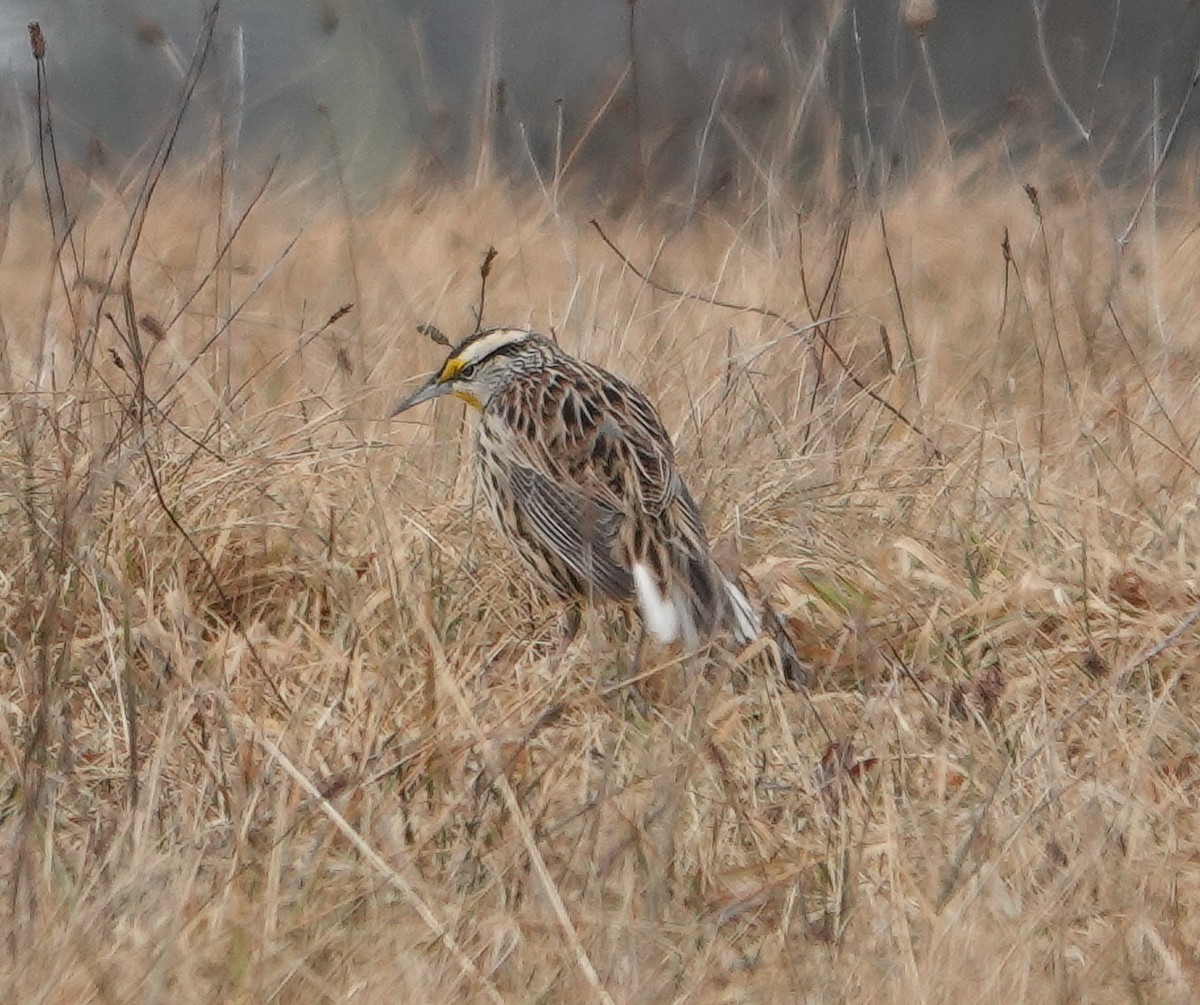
x: 919, y: 15
x: 37, y: 41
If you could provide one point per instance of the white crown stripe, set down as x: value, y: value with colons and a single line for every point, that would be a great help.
x: 490, y: 342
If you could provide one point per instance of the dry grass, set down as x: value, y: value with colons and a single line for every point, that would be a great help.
x: 279, y: 723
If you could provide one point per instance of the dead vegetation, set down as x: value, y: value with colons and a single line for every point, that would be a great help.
x: 278, y: 721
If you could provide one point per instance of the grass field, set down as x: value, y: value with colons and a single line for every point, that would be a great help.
x: 279, y: 721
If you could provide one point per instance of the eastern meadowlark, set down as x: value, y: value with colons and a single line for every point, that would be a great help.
x: 580, y: 476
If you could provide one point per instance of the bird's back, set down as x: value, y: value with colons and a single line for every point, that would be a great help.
x: 577, y: 468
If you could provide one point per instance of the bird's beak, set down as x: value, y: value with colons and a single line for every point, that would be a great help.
x: 426, y: 392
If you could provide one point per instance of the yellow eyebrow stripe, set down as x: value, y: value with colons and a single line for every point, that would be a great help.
x: 451, y: 369
x: 479, y: 350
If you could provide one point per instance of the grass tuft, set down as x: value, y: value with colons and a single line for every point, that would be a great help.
x: 279, y: 719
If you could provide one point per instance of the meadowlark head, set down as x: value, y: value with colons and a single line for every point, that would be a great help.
x: 475, y: 369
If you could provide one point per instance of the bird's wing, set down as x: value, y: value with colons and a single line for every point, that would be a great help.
x: 578, y: 528
x: 588, y: 456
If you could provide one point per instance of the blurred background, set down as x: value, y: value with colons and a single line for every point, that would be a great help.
x: 687, y: 99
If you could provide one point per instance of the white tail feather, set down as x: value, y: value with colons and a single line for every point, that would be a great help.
x: 661, y: 616
x: 669, y: 617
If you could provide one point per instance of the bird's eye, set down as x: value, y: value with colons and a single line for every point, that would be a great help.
x: 467, y: 372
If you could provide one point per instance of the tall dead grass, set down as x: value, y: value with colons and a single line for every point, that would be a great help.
x: 279, y: 720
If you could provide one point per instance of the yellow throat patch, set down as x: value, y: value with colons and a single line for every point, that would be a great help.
x: 469, y: 398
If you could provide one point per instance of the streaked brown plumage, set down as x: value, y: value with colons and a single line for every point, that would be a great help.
x: 579, y: 474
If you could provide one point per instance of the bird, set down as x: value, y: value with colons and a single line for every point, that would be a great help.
x: 580, y: 476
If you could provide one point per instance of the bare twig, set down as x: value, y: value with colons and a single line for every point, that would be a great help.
x: 1035, y: 201
x: 123, y: 257
x: 224, y: 249
x: 1104, y: 65
x: 234, y: 314
x: 1123, y: 239
x: 485, y: 270
x: 434, y: 334
x: 639, y: 156
x: 590, y: 126
x: 862, y: 89
x: 45, y: 126
x: 1039, y: 11
x: 764, y: 311
x: 908, y: 342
